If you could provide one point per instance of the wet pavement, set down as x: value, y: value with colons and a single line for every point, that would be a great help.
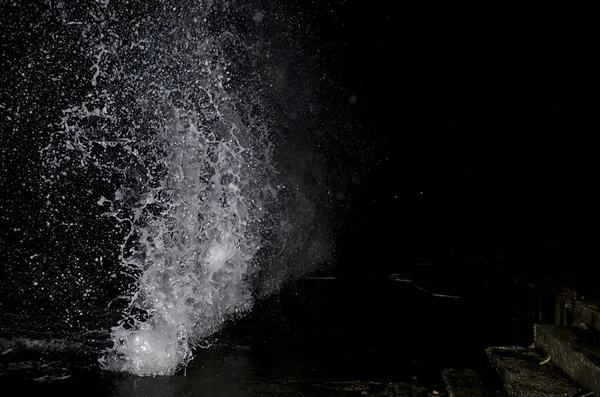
x: 398, y: 329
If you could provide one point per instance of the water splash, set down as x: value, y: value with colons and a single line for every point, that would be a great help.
x: 176, y: 123
x: 181, y: 178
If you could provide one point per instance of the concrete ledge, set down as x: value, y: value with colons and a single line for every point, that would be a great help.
x: 464, y: 383
x: 523, y: 376
x: 575, y: 351
x: 587, y: 314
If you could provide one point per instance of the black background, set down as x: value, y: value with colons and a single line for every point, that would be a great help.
x: 483, y: 121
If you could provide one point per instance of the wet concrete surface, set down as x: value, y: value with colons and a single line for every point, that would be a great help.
x: 587, y: 314
x: 467, y: 383
x: 576, y: 352
x: 336, y: 389
x: 390, y: 333
x: 523, y: 375
x: 418, y: 331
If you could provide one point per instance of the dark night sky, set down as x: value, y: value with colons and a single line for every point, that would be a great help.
x: 489, y: 112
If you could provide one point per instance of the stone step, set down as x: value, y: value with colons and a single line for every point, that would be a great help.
x: 466, y: 383
x: 523, y: 375
x: 587, y: 314
x: 575, y: 351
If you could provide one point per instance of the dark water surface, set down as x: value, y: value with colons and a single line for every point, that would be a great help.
x: 404, y: 327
